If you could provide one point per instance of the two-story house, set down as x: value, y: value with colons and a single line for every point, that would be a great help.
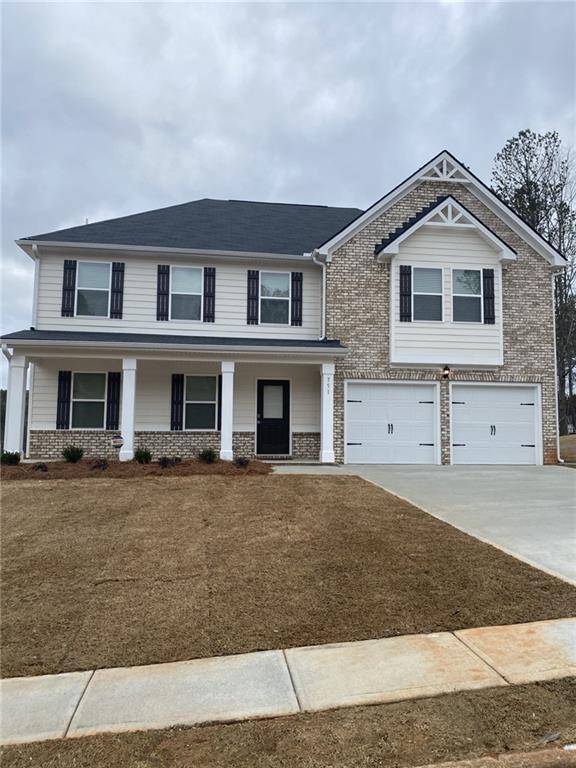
x: 419, y: 331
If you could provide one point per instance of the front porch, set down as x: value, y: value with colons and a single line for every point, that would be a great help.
x: 172, y: 406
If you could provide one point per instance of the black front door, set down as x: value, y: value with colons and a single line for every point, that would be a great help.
x: 273, y: 418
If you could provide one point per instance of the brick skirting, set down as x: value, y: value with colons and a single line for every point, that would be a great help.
x: 49, y: 443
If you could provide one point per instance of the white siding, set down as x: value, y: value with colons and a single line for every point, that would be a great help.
x: 446, y: 342
x: 153, y: 391
x: 139, y: 315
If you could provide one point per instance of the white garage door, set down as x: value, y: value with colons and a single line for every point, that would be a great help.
x: 494, y: 425
x: 391, y: 423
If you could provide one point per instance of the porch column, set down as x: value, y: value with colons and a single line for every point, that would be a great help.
x: 128, y: 408
x: 15, y: 404
x: 327, y: 414
x: 227, y: 413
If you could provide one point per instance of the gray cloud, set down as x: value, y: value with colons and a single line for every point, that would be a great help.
x: 112, y: 108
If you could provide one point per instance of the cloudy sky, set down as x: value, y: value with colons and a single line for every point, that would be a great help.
x: 114, y: 108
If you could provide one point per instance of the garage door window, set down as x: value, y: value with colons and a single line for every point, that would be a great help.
x: 466, y: 296
x: 427, y: 294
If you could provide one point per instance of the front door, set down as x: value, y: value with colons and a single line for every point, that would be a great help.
x: 273, y: 418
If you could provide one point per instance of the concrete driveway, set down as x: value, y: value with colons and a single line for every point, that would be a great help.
x: 529, y: 512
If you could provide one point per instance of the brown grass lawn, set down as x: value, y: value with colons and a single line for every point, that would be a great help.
x: 101, y: 573
x: 568, y: 448
x: 407, y: 733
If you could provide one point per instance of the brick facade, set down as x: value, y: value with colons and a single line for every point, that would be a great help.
x: 358, y: 313
x: 49, y: 443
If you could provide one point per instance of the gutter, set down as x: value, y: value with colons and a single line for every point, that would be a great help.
x: 218, y: 253
x: 329, y: 351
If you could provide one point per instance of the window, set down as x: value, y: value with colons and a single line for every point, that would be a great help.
x: 92, y: 289
x: 427, y: 294
x: 466, y: 296
x: 275, y: 297
x: 200, y: 404
x: 186, y: 293
x: 88, y: 400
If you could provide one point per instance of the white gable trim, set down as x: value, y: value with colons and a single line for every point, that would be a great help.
x: 445, y: 168
x: 450, y: 214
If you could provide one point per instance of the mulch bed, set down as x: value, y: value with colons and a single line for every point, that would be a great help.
x: 105, y: 573
x: 408, y: 733
x: 90, y: 468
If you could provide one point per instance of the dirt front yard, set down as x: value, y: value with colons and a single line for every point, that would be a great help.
x: 408, y: 733
x: 102, y: 573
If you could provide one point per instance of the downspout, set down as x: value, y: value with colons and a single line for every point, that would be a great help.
x: 558, y: 457
x: 36, y: 255
x: 322, y: 264
x: 6, y: 352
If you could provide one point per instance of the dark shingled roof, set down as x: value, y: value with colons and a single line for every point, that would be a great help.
x: 217, y: 225
x: 158, y: 339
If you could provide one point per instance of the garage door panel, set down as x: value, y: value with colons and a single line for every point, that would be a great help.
x: 390, y: 423
x: 494, y: 425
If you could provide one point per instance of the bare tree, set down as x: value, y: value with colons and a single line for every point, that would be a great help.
x: 535, y: 175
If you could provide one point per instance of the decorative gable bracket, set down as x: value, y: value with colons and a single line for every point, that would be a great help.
x: 444, y: 170
x: 445, y: 213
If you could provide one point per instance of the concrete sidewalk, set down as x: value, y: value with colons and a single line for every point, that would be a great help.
x: 528, y: 512
x: 274, y: 683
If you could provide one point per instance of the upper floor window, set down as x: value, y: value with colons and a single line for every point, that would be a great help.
x: 88, y: 400
x: 275, y: 297
x: 186, y: 288
x: 466, y: 296
x: 200, y: 406
x: 93, y: 289
x: 427, y: 294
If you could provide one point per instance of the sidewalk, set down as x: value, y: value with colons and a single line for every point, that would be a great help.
x: 275, y: 683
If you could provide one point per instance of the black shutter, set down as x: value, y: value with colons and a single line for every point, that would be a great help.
x: 253, y: 297
x: 177, y: 412
x: 209, y: 294
x: 405, y: 293
x: 63, y: 403
x: 488, y: 293
x: 113, y: 400
x: 219, y: 415
x: 296, y: 303
x: 163, y: 292
x: 117, y: 297
x: 68, y: 288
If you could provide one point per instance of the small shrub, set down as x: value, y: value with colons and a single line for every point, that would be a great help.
x: 177, y: 459
x: 241, y: 461
x: 166, y: 461
x: 72, y: 453
x: 40, y: 467
x: 208, y: 455
x: 10, y: 457
x: 100, y: 464
x: 142, y: 456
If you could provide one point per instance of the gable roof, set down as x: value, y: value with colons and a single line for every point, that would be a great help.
x: 444, y: 167
x: 214, y: 225
x: 445, y: 211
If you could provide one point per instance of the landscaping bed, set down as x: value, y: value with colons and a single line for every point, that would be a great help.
x: 89, y: 468
x: 408, y: 733
x: 109, y: 572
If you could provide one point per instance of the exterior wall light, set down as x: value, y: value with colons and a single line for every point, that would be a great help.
x: 446, y: 372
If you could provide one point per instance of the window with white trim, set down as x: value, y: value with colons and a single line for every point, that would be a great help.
x: 467, y: 295
x: 427, y: 294
x: 275, y: 297
x: 186, y: 288
x: 88, y: 401
x: 93, y: 289
x: 201, y: 402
